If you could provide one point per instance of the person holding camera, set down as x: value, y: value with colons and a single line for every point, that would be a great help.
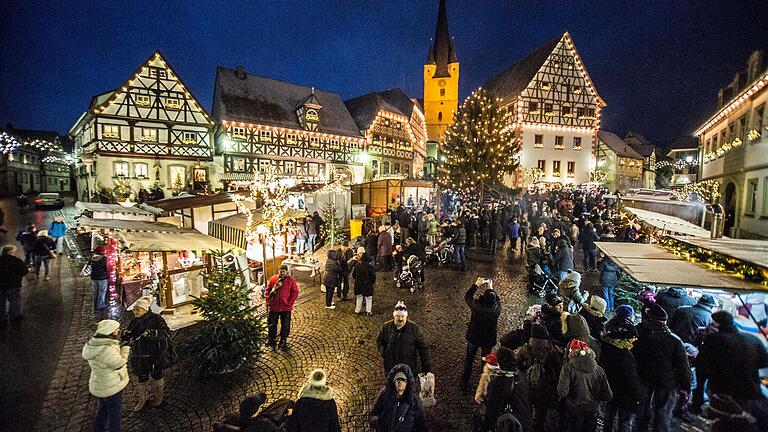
x: 482, y: 329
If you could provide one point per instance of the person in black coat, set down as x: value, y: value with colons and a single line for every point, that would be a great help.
x: 508, y: 386
x: 662, y: 364
x: 345, y: 254
x: 27, y: 239
x: 398, y: 407
x: 687, y: 320
x: 246, y: 420
x: 620, y: 367
x: 371, y: 246
x: 364, y: 275
x: 331, y: 277
x: 673, y: 298
x: 316, y: 409
x: 482, y: 329
x: 41, y: 252
x: 99, y: 278
x: 401, y: 341
x: 496, y: 233
x: 731, y: 361
x: 12, y: 270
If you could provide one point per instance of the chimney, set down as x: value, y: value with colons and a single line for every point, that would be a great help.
x: 240, y: 72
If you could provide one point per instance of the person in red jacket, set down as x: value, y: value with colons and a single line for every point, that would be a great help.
x: 281, y: 294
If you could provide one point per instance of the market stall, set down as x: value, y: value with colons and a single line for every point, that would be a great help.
x: 667, y: 224
x: 378, y: 195
x: 114, y: 211
x: 195, y: 211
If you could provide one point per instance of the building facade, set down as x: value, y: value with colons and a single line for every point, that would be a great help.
x: 301, y: 132
x: 556, y: 113
x: 641, y: 145
x: 683, y: 160
x: 733, y: 150
x: 33, y: 161
x: 395, y: 133
x: 441, y: 80
x: 149, y: 132
x: 622, y: 166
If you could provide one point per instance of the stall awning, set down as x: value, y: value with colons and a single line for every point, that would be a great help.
x: 188, y: 240
x: 128, y: 225
x: 232, y: 228
x: 750, y: 251
x: 112, y: 209
x: 653, y: 265
x: 668, y: 224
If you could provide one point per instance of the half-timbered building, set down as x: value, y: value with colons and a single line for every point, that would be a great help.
x: 395, y: 133
x: 301, y: 132
x: 33, y: 161
x: 150, y: 131
x: 556, y: 112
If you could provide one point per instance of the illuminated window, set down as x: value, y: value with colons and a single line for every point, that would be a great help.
x: 312, y: 115
x: 576, y: 89
x: 542, y: 165
x: 546, y: 85
x: 314, y: 141
x: 142, y: 100
x: 290, y: 167
x: 238, y: 164
x: 751, y: 197
x: 559, y: 143
x: 538, y: 141
x: 141, y: 170
x: 577, y: 143
x: 189, y: 137
x: 110, y: 131
x: 265, y: 136
x: 556, y: 168
x: 173, y: 103
x: 571, y: 170
x: 121, y: 169
x: 238, y: 132
x: 291, y: 139
x: 149, y: 134
x: 567, y: 111
x: 374, y: 168
x: 312, y: 169
x: 263, y: 165
x: 178, y: 176
x: 533, y: 107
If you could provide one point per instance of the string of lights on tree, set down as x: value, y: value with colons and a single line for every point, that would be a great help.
x: 267, y: 188
x: 480, y: 147
x: 707, y: 191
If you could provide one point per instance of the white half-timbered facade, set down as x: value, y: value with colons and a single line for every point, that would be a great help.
x: 556, y: 112
x: 304, y: 133
x: 149, y: 131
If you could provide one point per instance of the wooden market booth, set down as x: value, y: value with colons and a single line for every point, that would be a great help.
x: 115, y: 211
x: 378, y: 195
x: 195, y: 211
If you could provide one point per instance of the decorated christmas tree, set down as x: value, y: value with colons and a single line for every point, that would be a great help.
x: 480, y: 146
x: 231, y: 333
x: 330, y: 230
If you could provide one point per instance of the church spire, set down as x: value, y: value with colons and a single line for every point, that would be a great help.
x: 441, y: 51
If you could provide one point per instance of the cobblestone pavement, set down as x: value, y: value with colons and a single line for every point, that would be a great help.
x: 339, y: 341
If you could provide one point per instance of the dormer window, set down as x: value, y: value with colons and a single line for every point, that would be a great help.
x: 142, y: 100
x: 312, y: 115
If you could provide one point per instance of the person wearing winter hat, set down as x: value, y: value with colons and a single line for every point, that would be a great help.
x: 153, y: 351
x: 731, y: 360
x: 609, y: 278
x: 315, y: 409
x: 109, y: 374
x: 584, y: 386
x: 620, y: 367
x: 364, y: 275
x: 574, y: 326
x: 688, y: 319
x: 401, y: 341
x: 42, y: 250
x: 551, y: 314
x: 593, y: 311
x: 246, y: 419
x: 662, y: 366
x: 490, y: 362
x: 398, y: 407
x: 541, y: 361
x: 625, y: 312
x: 280, y: 294
x: 570, y: 289
x: 482, y: 333
x: 508, y: 387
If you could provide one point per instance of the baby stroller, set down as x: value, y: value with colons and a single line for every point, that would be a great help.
x: 412, y: 275
x: 540, y: 283
x: 441, y: 254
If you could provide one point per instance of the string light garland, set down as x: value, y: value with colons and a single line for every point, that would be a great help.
x: 678, y: 164
x: 707, y: 191
x: 8, y: 142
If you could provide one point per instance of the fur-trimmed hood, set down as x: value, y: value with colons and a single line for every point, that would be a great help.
x: 316, y: 392
x: 410, y: 389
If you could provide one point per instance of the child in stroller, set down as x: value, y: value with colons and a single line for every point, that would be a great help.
x: 271, y: 418
x: 540, y: 283
x: 412, y: 274
x: 440, y: 254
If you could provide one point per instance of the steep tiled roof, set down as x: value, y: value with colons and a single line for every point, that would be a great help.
x: 364, y: 108
x: 441, y: 51
x: 639, y: 143
x: 618, y: 145
x: 514, y: 79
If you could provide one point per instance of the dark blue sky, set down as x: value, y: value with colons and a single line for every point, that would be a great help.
x: 657, y: 64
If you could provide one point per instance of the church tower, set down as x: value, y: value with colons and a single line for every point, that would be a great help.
x: 441, y: 80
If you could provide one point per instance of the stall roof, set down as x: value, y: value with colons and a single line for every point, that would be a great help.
x: 651, y: 264
x: 187, y: 240
x: 240, y: 219
x: 128, y: 225
x: 188, y: 201
x: 668, y: 223
x: 751, y: 251
x: 112, y: 208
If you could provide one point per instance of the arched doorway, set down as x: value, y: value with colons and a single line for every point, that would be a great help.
x: 729, y: 206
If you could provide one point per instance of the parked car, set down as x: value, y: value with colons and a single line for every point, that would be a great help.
x: 48, y: 199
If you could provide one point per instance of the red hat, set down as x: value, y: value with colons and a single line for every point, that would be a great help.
x: 491, y: 359
x: 578, y: 345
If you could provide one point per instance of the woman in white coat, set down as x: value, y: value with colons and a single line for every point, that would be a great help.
x: 109, y: 374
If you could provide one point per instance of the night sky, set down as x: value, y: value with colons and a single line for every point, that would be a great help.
x: 656, y: 64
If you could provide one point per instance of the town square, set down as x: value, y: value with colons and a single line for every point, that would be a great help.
x: 401, y: 216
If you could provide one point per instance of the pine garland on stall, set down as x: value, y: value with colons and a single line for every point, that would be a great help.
x: 480, y: 146
x: 330, y: 230
x: 231, y: 334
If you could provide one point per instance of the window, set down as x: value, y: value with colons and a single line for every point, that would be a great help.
x: 189, y: 137
x: 238, y: 132
x: 142, y: 100
x: 442, y: 92
x: 374, y: 168
x: 263, y: 165
x: 265, y: 136
x: 314, y: 141
x: 178, y: 176
x: 406, y: 170
x: 576, y: 89
x: 741, y: 128
x: 312, y: 169
x: 238, y: 164
x: 707, y: 146
x: 590, y: 112
x: 542, y: 165
x: 757, y: 122
x: 546, y: 85
x: 395, y: 168
x: 577, y: 143
x: 765, y: 196
x: 335, y: 144
x: 141, y: 170
x: 571, y: 170
x: 173, y: 103
x: 149, y: 134
x: 556, y: 168
x: 121, y: 169
x: 538, y: 141
x: 110, y: 131
x: 289, y: 168
x: 385, y: 169
x: 548, y: 110
x: 730, y: 135
x: 440, y: 116
x: 714, y: 142
x: 559, y: 143
x: 751, y: 197
x: 291, y: 139
x: 157, y: 73
x: 533, y: 107
x: 312, y: 115
x: 580, y: 112
x: 723, y: 137
x: 567, y: 111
